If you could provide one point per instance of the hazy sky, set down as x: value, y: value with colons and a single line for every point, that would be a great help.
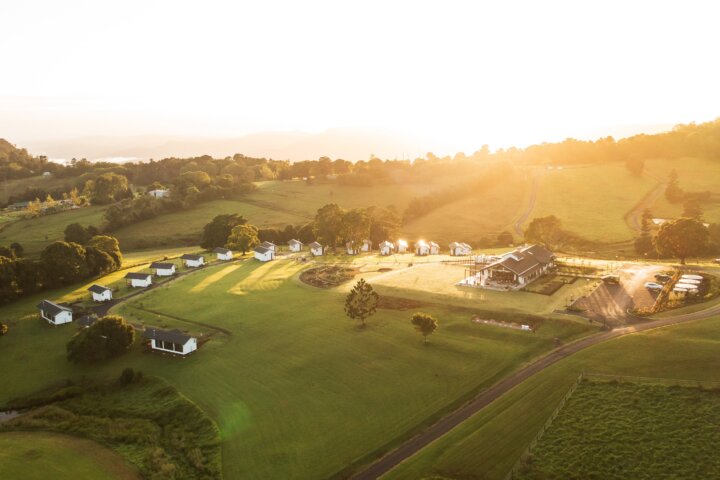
x: 465, y: 73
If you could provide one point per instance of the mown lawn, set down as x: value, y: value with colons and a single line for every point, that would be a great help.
x: 297, y: 390
x: 43, y: 455
x: 493, y: 440
x: 619, y: 430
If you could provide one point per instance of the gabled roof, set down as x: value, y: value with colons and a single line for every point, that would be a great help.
x: 137, y: 276
x: 433, y: 244
x: 315, y: 245
x: 294, y: 242
x: 173, y: 336
x: 261, y: 250
x: 267, y: 244
x: 52, y: 308
x: 98, y: 289
x: 87, y: 320
x: 461, y: 245
x: 162, y: 265
x: 191, y: 256
x: 222, y: 250
x: 525, y: 260
x: 386, y: 243
x: 421, y: 243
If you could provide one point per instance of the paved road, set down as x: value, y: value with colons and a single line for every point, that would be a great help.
x: 483, y: 399
x: 530, y: 207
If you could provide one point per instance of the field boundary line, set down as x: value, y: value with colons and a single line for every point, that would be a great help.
x: 526, y: 453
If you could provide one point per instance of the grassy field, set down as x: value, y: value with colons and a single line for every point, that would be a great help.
x: 36, y: 233
x: 494, y: 439
x: 284, y: 367
x: 17, y: 186
x: 42, y: 455
x: 619, y: 430
x: 576, y: 195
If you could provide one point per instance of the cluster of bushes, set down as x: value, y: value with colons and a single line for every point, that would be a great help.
x: 144, y: 419
x: 60, y: 263
x: 108, y: 337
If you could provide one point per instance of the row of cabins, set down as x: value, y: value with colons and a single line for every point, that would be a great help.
x: 266, y: 251
x: 172, y: 341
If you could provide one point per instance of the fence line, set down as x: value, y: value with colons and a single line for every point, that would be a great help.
x: 543, y: 429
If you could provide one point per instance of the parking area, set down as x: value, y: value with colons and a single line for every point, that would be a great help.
x: 609, y: 303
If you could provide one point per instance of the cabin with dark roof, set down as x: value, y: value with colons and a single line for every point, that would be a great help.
x: 263, y: 254
x: 137, y: 279
x: 316, y: 249
x: 224, y: 254
x: 100, y: 293
x: 163, y: 269
x: 193, y: 261
x: 386, y: 247
x: 54, y: 314
x: 171, y: 341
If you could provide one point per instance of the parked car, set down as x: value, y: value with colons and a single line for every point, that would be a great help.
x: 662, y: 277
x: 653, y: 286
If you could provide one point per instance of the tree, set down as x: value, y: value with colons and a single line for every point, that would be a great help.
x: 109, y: 245
x: 34, y: 209
x: 243, y: 238
x: 17, y: 249
x: 425, y: 324
x: 682, y: 238
x: 75, y: 232
x: 361, y: 302
x: 109, y: 337
x: 74, y: 197
x: 384, y: 224
x: 64, y: 263
x: 107, y: 188
x: 8, y: 287
x: 355, y: 226
x: 692, y: 208
x: 504, y: 239
x: 673, y: 192
x: 545, y: 230
x: 216, y: 233
x: 644, y: 243
x: 328, y: 224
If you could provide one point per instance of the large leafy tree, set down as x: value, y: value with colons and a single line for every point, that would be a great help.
x: 425, y: 324
x: 545, y: 230
x: 384, y: 224
x: 109, y: 337
x: 682, y: 238
x: 243, y: 238
x: 673, y: 192
x: 328, y: 224
x: 644, y: 243
x: 77, y: 233
x: 109, y: 245
x: 108, y: 188
x: 64, y: 263
x: 362, y: 301
x: 355, y: 226
x: 216, y: 233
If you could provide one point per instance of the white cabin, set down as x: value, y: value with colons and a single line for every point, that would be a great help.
x: 316, y: 249
x: 171, y: 341
x: 141, y: 280
x: 163, y: 269
x: 402, y: 246
x: 422, y: 248
x: 434, y: 248
x: 460, y: 249
x: 54, y: 314
x: 366, y: 246
x: 269, y: 246
x: 193, y: 261
x: 386, y: 248
x: 295, y: 245
x: 100, y: 293
x: 224, y: 254
x: 351, y: 248
x: 159, y: 193
x: 263, y: 254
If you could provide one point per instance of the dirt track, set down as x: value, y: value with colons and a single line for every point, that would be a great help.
x: 483, y: 399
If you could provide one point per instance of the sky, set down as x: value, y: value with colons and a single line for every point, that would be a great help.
x: 463, y: 74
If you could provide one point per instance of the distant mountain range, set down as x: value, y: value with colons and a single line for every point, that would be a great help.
x: 349, y: 144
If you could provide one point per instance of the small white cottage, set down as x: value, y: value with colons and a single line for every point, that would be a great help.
x: 460, y: 249
x: 137, y: 279
x: 269, y: 246
x: 366, y: 246
x: 434, y: 248
x: 386, y: 248
x: 100, y: 293
x: 223, y: 253
x: 316, y: 249
x: 171, y: 341
x: 422, y: 248
x: 193, y: 261
x: 295, y: 245
x: 402, y: 246
x: 54, y: 314
x: 351, y: 248
x: 159, y: 193
x: 163, y: 269
x: 263, y: 254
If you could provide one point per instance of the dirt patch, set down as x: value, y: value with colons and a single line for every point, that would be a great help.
x: 328, y: 276
x: 384, y: 269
